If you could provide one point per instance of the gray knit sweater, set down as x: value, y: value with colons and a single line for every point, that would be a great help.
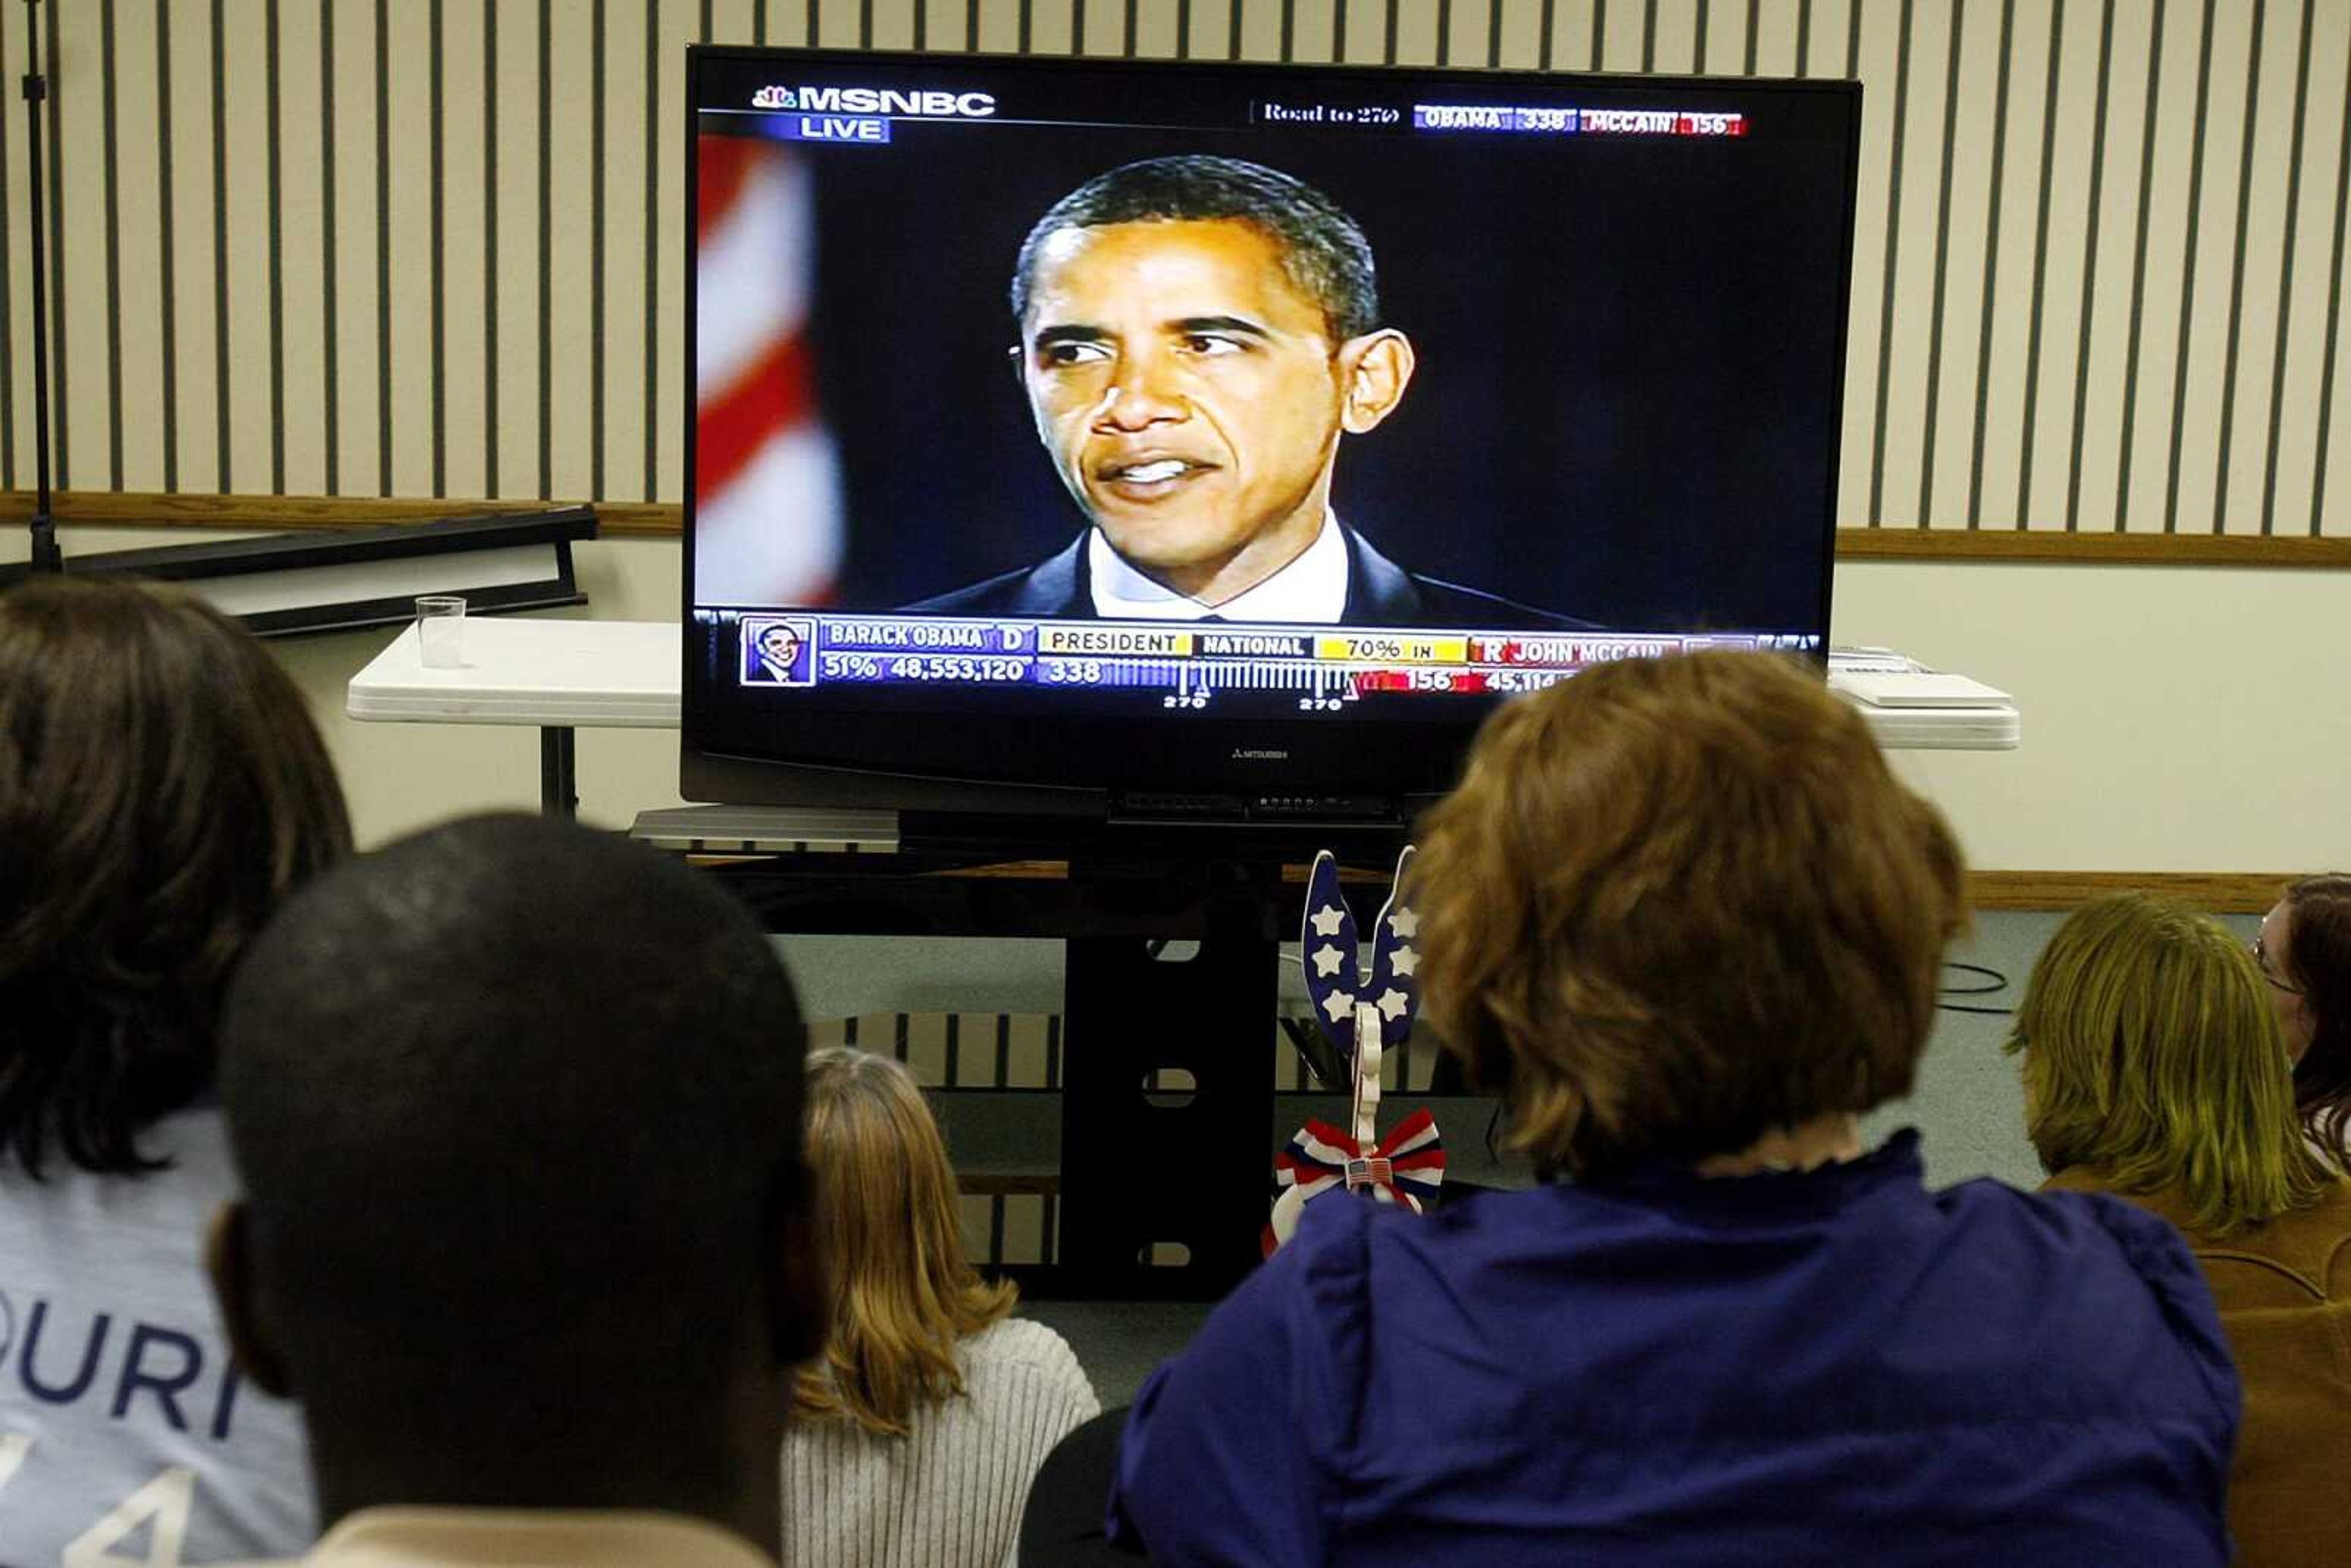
x: 948, y: 1494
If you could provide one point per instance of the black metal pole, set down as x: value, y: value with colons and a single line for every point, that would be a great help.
x: 46, y: 557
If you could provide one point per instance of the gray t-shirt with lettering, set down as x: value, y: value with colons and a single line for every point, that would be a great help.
x: 125, y: 1435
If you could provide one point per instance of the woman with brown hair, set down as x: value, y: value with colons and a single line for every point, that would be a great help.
x: 2155, y: 1068
x: 2305, y: 954
x: 1681, y: 917
x: 915, y: 1438
x: 162, y: 790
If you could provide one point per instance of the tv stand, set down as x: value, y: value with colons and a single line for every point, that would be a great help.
x: 1159, y: 1186
x: 1173, y: 937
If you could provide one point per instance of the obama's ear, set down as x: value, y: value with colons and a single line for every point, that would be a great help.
x: 1374, y: 371
x: 228, y: 1258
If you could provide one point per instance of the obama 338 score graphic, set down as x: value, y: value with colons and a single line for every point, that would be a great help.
x: 1318, y: 669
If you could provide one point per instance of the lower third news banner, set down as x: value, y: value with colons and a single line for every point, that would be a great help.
x: 1324, y: 668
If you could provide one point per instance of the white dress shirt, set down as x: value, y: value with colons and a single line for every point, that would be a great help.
x: 1312, y: 588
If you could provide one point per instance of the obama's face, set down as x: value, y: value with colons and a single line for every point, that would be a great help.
x: 1191, y: 396
x: 780, y: 647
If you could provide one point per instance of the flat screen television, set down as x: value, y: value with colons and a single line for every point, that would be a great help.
x: 1078, y: 435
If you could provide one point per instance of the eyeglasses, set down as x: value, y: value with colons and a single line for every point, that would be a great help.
x: 2269, y: 973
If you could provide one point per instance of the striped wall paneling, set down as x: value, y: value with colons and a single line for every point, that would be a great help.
x: 426, y: 248
x: 1013, y: 1217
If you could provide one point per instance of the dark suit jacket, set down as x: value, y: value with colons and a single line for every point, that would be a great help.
x: 1379, y: 594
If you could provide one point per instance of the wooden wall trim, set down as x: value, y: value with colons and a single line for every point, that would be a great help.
x: 2054, y: 546
x: 156, y: 509
x: 2215, y: 892
x: 153, y: 510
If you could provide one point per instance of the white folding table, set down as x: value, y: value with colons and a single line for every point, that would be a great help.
x: 557, y: 675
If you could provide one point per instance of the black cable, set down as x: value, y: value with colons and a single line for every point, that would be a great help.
x: 1999, y: 982
x: 1321, y: 1057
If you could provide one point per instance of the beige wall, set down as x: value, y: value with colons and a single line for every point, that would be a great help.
x: 2175, y: 719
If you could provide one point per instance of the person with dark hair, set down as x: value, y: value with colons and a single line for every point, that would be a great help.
x: 525, y: 1224
x: 2155, y: 1068
x: 1197, y: 334
x: 162, y: 790
x: 2305, y: 954
x: 1683, y: 919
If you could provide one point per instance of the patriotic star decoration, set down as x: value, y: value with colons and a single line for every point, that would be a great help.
x: 1327, y: 943
x: 1361, y: 1020
x: 1394, y: 988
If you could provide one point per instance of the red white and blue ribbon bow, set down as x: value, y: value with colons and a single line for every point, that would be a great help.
x: 1362, y: 1020
x: 1405, y: 1167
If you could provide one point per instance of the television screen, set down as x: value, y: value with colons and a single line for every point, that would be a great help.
x: 1056, y: 420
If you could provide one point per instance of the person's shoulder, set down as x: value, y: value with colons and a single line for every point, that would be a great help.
x: 2330, y: 1224
x: 1349, y: 1249
x: 997, y: 593
x: 1024, y: 1350
x: 1383, y: 592
x: 1334, y: 1233
x: 150, y: 1223
x: 2114, y: 1278
x: 2071, y: 1218
x: 194, y: 1139
x: 1454, y: 602
x: 1050, y: 587
x: 2301, y: 1256
x: 1019, y: 1341
x: 2327, y: 1222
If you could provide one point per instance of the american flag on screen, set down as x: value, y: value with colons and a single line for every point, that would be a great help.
x: 767, y: 491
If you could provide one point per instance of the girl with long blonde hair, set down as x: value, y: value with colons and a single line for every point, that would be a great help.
x: 916, y: 1434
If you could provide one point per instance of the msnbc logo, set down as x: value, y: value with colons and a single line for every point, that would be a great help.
x: 876, y: 101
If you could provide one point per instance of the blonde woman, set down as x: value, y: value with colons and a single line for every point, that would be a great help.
x: 914, y: 1438
x: 2155, y: 1068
